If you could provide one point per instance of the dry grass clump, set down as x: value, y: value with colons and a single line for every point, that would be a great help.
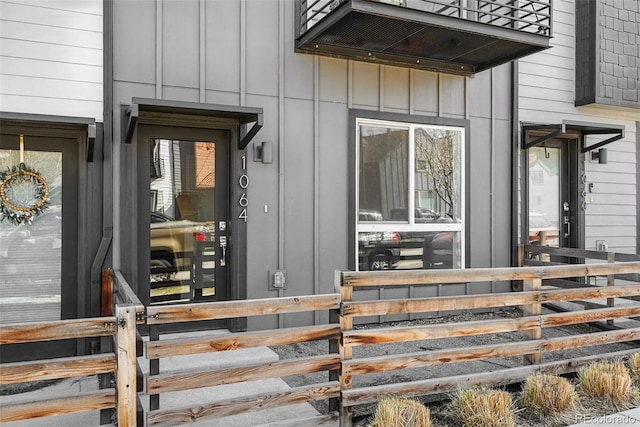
x: 482, y: 407
x: 548, y: 394
x: 401, y: 412
x: 634, y: 367
x: 609, y: 380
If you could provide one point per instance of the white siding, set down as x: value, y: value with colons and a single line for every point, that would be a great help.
x: 51, y: 57
x: 547, y: 95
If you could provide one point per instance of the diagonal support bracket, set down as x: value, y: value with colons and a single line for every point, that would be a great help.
x: 248, y: 136
x: 602, y: 143
x: 556, y: 130
x: 129, y: 116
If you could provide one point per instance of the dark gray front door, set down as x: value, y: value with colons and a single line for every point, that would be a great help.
x: 188, y: 254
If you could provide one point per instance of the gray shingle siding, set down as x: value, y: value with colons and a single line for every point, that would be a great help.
x: 607, y: 34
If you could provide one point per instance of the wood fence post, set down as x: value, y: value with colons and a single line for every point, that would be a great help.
x: 346, y: 352
x: 126, y: 366
x: 534, y: 309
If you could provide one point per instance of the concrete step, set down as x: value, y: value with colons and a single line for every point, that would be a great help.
x: 225, y: 359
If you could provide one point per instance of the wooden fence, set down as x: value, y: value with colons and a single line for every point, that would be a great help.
x: 527, y: 350
x: 530, y: 326
x: 119, y: 326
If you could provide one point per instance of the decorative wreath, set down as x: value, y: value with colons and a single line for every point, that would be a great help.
x: 11, y: 209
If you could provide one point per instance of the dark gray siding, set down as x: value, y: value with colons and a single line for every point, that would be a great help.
x: 298, y: 211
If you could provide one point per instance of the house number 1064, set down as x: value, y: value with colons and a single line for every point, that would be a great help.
x: 243, y: 181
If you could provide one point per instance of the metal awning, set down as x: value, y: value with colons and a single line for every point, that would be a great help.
x: 249, y: 116
x: 570, y: 127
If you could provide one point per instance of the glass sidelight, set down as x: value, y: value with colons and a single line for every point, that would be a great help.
x: 188, y: 224
x: 31, y: 252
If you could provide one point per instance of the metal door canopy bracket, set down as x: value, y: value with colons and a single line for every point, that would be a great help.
x: 559, y: 129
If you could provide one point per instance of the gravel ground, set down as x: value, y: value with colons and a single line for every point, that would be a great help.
x: 438, y: 403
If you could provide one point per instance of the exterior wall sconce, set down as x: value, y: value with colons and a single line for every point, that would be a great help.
x: 263, y: 152
x: 600, y: 155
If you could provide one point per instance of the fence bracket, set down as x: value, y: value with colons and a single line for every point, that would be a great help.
x: 122, y: 323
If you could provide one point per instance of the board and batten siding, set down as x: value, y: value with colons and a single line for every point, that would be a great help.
x: 242, y: 53
x: 51, y: 56
x: 546, y: 95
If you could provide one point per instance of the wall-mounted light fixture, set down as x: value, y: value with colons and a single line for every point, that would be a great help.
x: 263, y: 152
x: 600, y: 155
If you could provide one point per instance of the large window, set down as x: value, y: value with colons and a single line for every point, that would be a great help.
x: 410, y: 195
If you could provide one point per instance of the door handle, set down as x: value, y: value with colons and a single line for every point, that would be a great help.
x: 223, y: 255
x: 567, y: 222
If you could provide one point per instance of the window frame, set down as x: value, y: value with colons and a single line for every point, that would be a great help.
x: 410, y: 124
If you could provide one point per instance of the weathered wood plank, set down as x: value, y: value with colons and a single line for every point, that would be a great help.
x: 235, y: 341
x: 106, y: 293
x: 57, y: 330
x: 586, y: 316
x: 230, y: 309
x: 433, y: 277
x: 102, y: 399
x: 166, y: 383
x: 124, y: 295
x: 291, y: 396
x: 127, y: 364
x: 442, y: 330
x: 18, y: 372
x: 449, y: 384
x: 437, y: 357
x: 471, y: 302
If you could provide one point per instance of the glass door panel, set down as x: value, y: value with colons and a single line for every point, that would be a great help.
x: 545, y: 193
x: 184, y: 248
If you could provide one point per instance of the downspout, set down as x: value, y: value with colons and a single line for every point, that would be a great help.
x: 281, y: 207
x: 515, y: 169
x: 107, y: 189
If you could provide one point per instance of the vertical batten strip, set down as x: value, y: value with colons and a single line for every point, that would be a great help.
x: 281, y: 144
x: 381, y: 88
x: 159, y: 47
x: 203, y: 53
x: 243, y: 52
x: 412, y: 84
x: 349, y: 84
x: 316, y: 182
x: 440, y: 101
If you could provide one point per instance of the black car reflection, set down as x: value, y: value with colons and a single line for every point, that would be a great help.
x: 384, y: 250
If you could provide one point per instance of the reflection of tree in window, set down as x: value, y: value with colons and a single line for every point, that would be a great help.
x: 437, y: 152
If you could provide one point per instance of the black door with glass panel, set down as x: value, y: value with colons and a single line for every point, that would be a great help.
x: 188, y: 234
x: 38, y: 237
x: 554, y: 214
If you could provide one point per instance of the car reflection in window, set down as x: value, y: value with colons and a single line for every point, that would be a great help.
x: 384, y: 250
x: 178, y: 248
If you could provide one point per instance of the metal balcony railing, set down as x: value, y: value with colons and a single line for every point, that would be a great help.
x: 531, y: 16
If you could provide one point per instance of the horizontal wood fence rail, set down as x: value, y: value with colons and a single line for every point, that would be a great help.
x: 229, y: 309
x: 157, y: 382
x: 530, y: 344
x: 57, y: 330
